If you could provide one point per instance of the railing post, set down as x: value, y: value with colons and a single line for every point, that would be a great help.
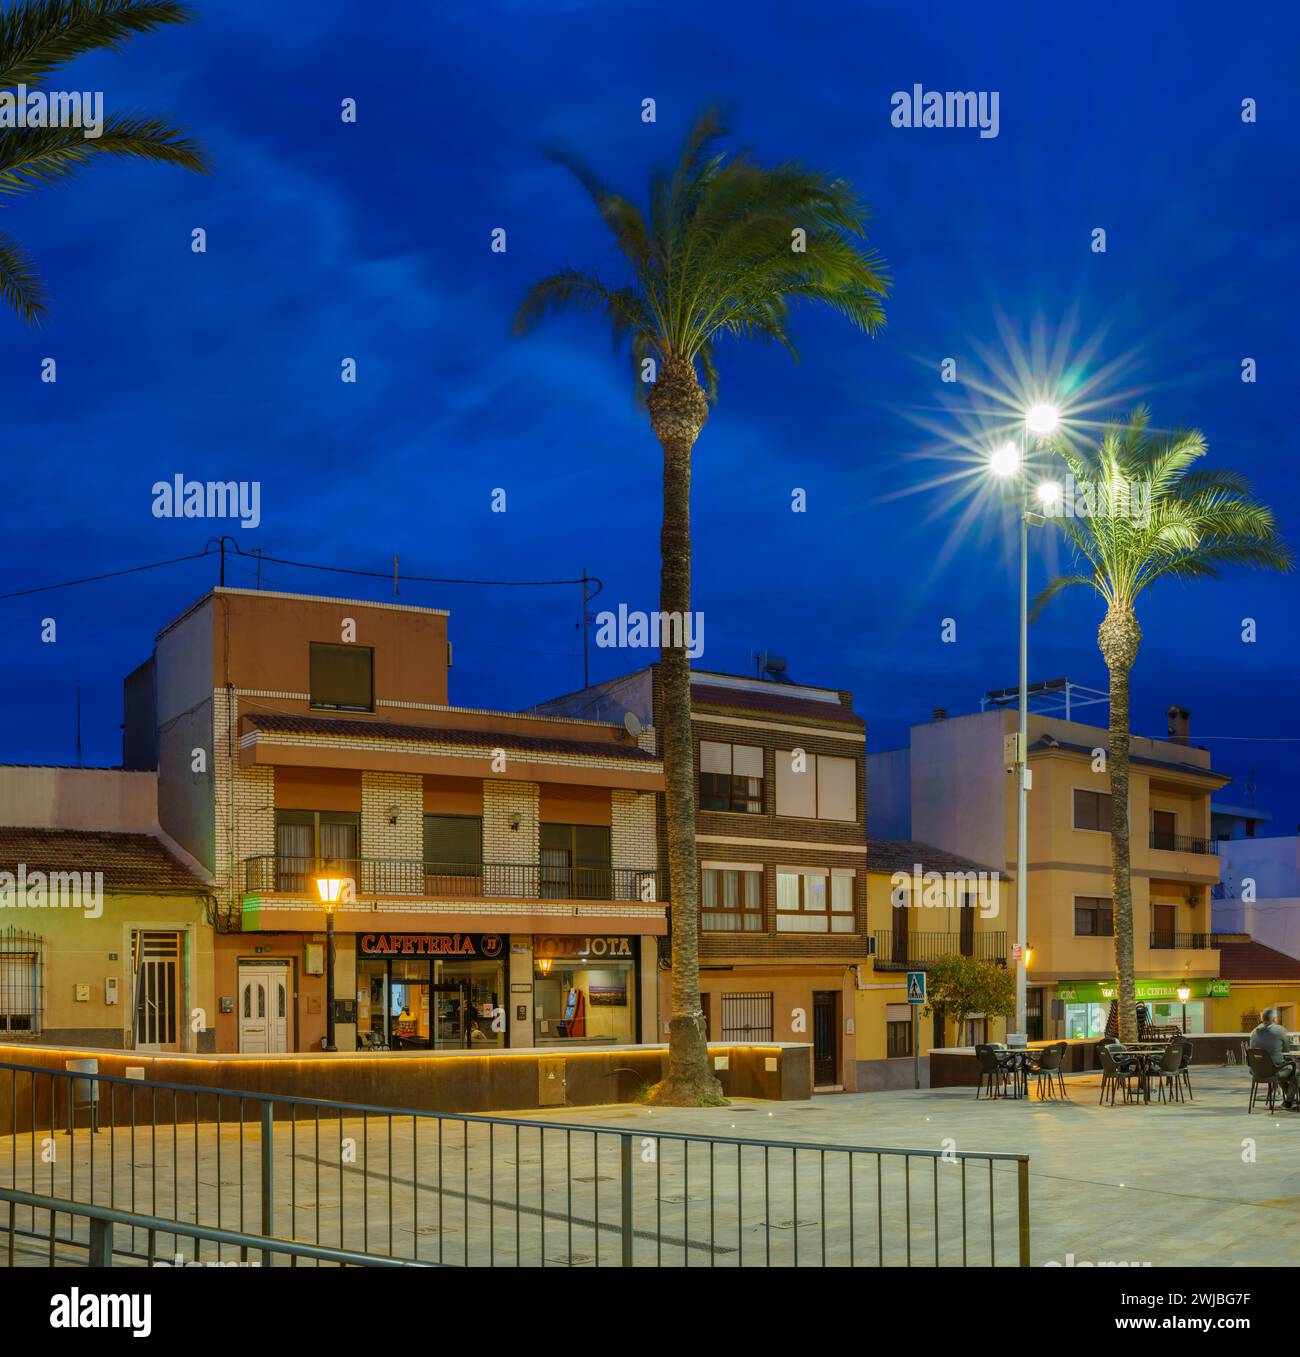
x: 625, y: 1177
x: 1022, y: 1176
x: 268, y: 1177
x: 101, y: 1243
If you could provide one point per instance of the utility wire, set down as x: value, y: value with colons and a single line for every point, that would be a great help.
x: 112, y: 574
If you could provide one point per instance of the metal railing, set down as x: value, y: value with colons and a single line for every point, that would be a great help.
x: 921, y: 949
x: 1162, y: 941
x: 293, y: 875
x: 1181, y: 843
x: 197, y: 1166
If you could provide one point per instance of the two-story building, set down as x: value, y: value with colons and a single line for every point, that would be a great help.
x: 500, y: 879
x: 951, y: 788
x: 781, y: 843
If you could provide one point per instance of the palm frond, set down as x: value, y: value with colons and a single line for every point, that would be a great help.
x: 1058, y: 586
x: 20, y: 286
x: 40, y: 35
x: 33, y: 157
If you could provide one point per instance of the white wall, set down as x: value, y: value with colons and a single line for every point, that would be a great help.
x: 959, y: 786
x: 1275, y: 923
x: 1272, y: 864
x: 107, y: 799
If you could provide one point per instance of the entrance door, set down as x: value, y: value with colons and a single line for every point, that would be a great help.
x: 263, y: 1008
x: 1164, y: 923
x: 156, y: 963
x: 826, y: 1031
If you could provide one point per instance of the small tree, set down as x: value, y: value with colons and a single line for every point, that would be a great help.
x: 957, y: 985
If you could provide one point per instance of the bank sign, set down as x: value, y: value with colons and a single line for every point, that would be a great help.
x: 468, y: 945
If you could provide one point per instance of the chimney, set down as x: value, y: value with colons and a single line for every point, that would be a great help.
x: 938, y: 713
x: 1180, y: 720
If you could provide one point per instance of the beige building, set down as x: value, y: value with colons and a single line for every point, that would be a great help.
x: 951, y: 788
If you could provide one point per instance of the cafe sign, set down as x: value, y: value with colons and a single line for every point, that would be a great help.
x: 583, y: 946
x: 487, y: 945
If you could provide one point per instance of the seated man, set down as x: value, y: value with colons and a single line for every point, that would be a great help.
x: 1272, y: 1037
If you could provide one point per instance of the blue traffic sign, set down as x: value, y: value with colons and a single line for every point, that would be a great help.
x: 916, y: 987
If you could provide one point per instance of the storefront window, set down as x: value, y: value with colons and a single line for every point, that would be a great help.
x: 1171, y: 1015
x: 584, y: 990
x: 430, y: 991
x: 1086, y: 1020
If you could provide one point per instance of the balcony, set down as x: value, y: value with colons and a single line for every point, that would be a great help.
x: 276, y: 874
x: 1192, y: 942
x: 1180, y: 843
x: 921, y: 949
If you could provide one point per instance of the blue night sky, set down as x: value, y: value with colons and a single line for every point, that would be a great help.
x: 371, y: 241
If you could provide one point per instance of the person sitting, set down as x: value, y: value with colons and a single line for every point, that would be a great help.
x: 1272, y: 1037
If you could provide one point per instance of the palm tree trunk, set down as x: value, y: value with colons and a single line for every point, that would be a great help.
x: 677, y: 413
x: 1119, y: 636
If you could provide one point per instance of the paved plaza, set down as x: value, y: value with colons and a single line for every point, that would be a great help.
x: 1194, y: 1183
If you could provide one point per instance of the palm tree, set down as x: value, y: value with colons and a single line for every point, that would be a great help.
x: 36, y: 37
x: 1153, y: 517
x: 724, y: 250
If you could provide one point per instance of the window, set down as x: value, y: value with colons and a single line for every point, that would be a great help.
x: 576, y: 862
x: 809, y: 901
x: 731, y: 777
x: 821, y: 787
x: 342, y: 677
x: 1164, y: 829
x: 306, y: 841
x: 453, y: 843
x: 975, y: 1028
x: 1094, y: 917
x: 20, y: 975
x: 1091, y: 810
x: 898, y: 1030
x: 731, y: 898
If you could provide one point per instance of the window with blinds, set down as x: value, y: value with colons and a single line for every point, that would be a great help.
x: 731, y: 898
x: 342, y: 677
x: 731, y: 777
x: 816, y: 786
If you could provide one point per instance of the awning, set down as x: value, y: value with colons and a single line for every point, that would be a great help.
x: 1102, y: 991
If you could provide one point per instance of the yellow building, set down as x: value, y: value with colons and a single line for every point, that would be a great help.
x: 952, y: 787
x: 105, y: 941
x: 922, y: 904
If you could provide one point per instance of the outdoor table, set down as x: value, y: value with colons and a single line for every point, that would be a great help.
x: 1017, y: 1059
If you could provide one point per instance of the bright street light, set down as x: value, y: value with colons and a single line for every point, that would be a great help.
x: 1042, y: 419
x: 1005, y: 461
x: 1049, y: 493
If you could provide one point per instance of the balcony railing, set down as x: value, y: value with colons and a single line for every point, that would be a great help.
x: 1180, y: 843
x: 1194, y: 942
x: 921, y: 949
x: 274, y: 873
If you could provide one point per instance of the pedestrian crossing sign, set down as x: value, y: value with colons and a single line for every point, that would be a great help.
x: 916, y: 987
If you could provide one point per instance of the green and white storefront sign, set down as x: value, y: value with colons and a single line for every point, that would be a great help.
x: 1087, y: 1003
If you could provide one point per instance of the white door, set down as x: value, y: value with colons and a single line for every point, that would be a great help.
x: 263, y: 1008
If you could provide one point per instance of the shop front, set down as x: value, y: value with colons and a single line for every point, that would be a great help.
x: 431, y: 991
x: 586, y: 989
x: 1085, y: 1004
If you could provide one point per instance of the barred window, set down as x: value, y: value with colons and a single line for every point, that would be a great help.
x: 20, y: 982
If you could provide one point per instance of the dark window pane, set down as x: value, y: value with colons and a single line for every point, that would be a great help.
x: 341, y: 677
x: 456, y: 839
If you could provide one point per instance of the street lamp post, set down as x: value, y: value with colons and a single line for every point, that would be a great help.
x: 1040, y: 420
x: 1184, y: 993
x: 330, y: 889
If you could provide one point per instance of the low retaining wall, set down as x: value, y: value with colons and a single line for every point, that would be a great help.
x: 956, y: 1067
x: 443, y: 1081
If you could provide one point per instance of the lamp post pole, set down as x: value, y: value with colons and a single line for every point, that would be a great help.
x: 1022, y: 779
x: 329, y: 977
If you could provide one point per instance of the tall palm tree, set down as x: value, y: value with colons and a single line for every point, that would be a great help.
x: 36, y: 37
x: 725, y: 248
x: 1153, y: 518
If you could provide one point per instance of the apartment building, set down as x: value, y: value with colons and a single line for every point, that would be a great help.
x: 105, y: 924
x: 500, y: 880
x: 781, y: 842
x: 923, y: 904
x: 951, y: 788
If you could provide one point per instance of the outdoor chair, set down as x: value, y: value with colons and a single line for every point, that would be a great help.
x: 993, y: 1073
x: 1114, y: 1075
x: 1263, y: 1070
x: 1169, y: 1072
x: 1046, y: 1069
x: 1185, y: 1045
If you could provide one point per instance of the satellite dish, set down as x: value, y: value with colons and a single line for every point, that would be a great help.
x: 633, y: 724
